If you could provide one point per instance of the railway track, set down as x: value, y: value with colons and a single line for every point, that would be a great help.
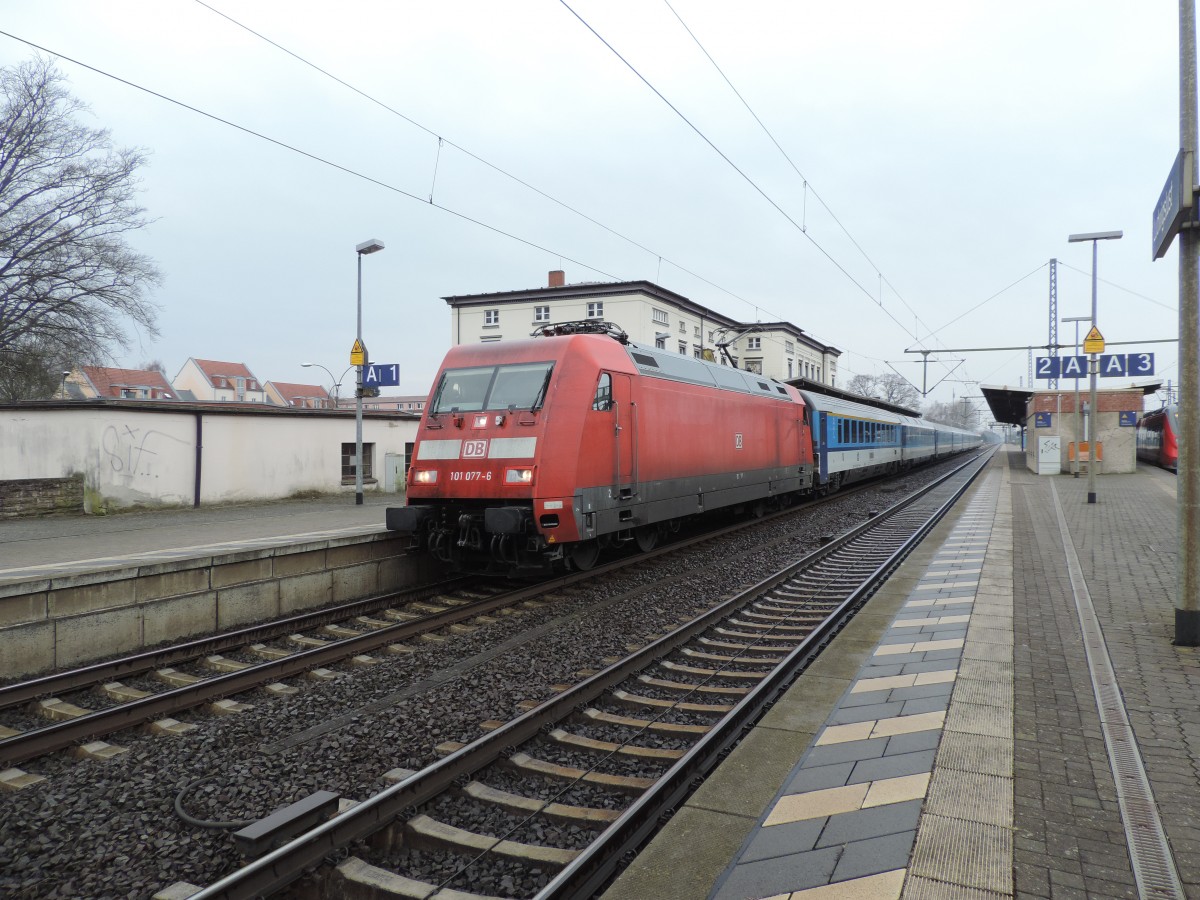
x: 571, y: 787
x: 59, y: 711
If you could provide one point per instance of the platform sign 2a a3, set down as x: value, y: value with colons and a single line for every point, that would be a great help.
x: 1112, y: 365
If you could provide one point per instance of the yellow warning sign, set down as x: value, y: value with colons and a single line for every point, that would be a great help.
x: 1094, y: 342
x: 358, y: 354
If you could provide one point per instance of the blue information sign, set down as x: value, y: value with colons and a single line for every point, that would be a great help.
x: 1128, y: 418
x: 381, y: 375
x: 1112, y: 365
x: 1041, y: 420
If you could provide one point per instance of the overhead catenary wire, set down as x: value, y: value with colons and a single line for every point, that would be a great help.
x: 461, y: 149
x: 798, y: 226
x: 312, y: 156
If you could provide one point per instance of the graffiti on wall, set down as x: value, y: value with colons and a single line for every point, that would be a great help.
x: 134, y: 453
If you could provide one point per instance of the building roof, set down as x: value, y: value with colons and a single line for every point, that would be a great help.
x: 110, y: 382
x: 224, y: 374
x: 291, y: 392
x: 591, y: 290
x: 1009, y: 405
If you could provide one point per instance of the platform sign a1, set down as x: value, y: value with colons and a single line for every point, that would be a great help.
x: 381, y: 375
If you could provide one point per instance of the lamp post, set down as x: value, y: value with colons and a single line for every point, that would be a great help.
x: 372, y: 246
x: 336, y: 382
x: 1093, y: 363
x: 1076, y: 320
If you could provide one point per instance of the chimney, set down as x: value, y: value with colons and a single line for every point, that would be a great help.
x: 557, y: 278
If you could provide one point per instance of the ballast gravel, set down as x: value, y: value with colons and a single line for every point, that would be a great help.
x: 109, y: 829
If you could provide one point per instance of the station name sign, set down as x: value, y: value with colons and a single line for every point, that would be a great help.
x: 1112, y: 365
x: 1174, y: 205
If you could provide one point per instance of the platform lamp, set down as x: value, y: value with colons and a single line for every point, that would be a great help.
x: 1076, y: 320
x: 1093, y: 364
x: 372, y: 246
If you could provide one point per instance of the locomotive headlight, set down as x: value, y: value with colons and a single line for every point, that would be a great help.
x: 424, y: 476
x: 518, y: 476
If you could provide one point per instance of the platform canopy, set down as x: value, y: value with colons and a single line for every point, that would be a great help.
x: 1008, y: 404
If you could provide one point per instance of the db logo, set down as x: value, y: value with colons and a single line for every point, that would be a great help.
x: 474, y: 449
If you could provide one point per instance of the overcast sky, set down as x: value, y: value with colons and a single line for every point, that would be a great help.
x: 958, y: 145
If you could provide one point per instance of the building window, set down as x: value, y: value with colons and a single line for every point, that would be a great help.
x: 595, y: 310
x: 696, y: 331
x: 754, y: 343
x: 789, y: 347
x: 789, y: 368
x: 682, y: 327
x: 661, y: 342
x: 491, y: 317
x: 683, y: 347
x: 696, y: 351
x: 348, y: 460
x: 754, y: 365
x: 541, y: 314
x: 659, y: 316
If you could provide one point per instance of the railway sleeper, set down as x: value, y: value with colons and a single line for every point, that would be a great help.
x: 642, y: 702
x: 713, y: 673
x: 532, y: 766
x: 744, y: 659
x: 774, y: 626
x: 427, y: 833
x: 559, y: 812
x: 356, y: 879
x: 594, y: 715
x: 57, y: 710
x: 579, y: 742
x: 687, y: 688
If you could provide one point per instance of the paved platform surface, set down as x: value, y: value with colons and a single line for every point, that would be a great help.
x: 949, y: 743
x: 61, y: 545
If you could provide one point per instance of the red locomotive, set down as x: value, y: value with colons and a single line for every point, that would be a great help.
x: 537, y: 451
x: 1157, y: 440
x: 541, y: 453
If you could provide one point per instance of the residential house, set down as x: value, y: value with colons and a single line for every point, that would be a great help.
x: 408, y: 403
x: 89, y: 382
x: 298, y: 396
x: 208, y: 380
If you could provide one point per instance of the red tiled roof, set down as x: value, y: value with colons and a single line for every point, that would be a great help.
x: 110, y: 382
x: 224, y: 374
x: 290, y: 392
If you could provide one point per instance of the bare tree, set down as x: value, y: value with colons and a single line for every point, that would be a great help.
x: 69, y: 281
x: 890, y: 388
x: 960, y: 413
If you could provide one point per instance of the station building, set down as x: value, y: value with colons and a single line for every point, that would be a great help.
x: 1057, y: 426
x: 651, y: 315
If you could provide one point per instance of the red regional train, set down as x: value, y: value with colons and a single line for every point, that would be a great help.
x: 539, y: 454
x: 1157, y: 437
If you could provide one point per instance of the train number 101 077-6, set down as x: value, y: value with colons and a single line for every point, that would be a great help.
x: 475, y: 475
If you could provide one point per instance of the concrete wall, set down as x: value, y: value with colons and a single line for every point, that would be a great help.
x: 145, y: 454
x: 76, y: 619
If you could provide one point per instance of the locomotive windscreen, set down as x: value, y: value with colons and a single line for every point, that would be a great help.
x: 492, y: 387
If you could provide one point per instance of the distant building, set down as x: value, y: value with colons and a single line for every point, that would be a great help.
x: 89, y: 382
x: 410, y: 403
x: 299, y: 396
x: 650, y: 315
x: 208, y: 380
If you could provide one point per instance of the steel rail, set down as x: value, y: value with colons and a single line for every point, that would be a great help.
x: 599, y: 861
x: 86, y: 676
x: 278, y: 868
x: 63, y: 734
x: 58, y: 736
